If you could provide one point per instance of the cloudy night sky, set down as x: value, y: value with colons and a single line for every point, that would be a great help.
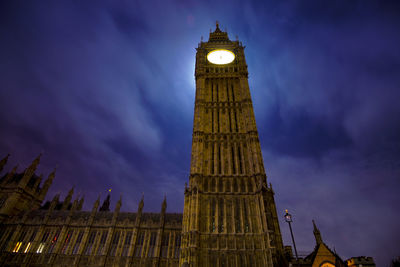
x: 105, y: 89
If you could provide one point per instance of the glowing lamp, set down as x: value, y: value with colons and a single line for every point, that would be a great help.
x: 288, y: 216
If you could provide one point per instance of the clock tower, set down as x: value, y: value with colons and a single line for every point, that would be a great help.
x: 229, y: 216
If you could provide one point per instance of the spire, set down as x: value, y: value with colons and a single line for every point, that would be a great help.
x: 163, y: 209
x: 34, y: 163
x: 106, y: 204
x: 48, y: 183
x: 96, y: 204
x: 3, y: 162
x: 80, y: 204
x: 67, y: 199
x: 164, y: 205
x: 74, y: 204
x: 317, y: 234
x: 119, y: 204
x: 30, y: 171
x: 54, y: 202
x: 11, y: 174
x: 141, y: 204
x: 37, y: 183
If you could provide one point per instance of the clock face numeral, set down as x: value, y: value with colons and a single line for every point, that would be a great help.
x: 221, y: 56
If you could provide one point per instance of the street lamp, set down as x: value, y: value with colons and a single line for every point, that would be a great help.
x: 288, y: 219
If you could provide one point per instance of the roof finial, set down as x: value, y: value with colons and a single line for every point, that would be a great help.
x: 217, y: 26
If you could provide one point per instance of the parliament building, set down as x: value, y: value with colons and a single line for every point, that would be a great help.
x: 229, y: 216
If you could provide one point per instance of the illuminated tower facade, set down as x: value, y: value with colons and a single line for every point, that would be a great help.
x: 229, y: 216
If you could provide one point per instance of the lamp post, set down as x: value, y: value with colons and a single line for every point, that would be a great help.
x: 288, y: 219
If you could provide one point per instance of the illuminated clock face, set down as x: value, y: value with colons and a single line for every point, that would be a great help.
x: 221, y: 56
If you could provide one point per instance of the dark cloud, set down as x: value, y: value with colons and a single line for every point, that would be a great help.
x: 106, y: 90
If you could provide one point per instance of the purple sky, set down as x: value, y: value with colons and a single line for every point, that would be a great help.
x: 105, y: 89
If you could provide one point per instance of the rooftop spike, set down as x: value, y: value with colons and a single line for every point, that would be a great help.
x: 30, y: 171
x: 67, y: 199
x: 80, y: 204
x: 3, y: 162
x: 106, y: 204
x: 75, y: 204
x: 141, y: 204
x: 317, y: 233
x: 96, y: 204
x: 119, y: 204
x: 48, y: 183
x: 35, y: 162
x: 164, y: 204
x: 37, y: 183
x: 54, y: 201
x: 10, y: 174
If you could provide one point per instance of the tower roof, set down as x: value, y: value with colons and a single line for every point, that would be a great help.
x: 218, y: 35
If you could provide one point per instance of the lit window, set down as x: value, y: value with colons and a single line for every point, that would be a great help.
x: 40, y: 248
x: 27, y: 247
x: 53, y: 242
x: 66, y: 242
x: 17, y: 247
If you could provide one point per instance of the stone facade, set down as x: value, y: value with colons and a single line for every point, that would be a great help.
x: 61, y: 234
